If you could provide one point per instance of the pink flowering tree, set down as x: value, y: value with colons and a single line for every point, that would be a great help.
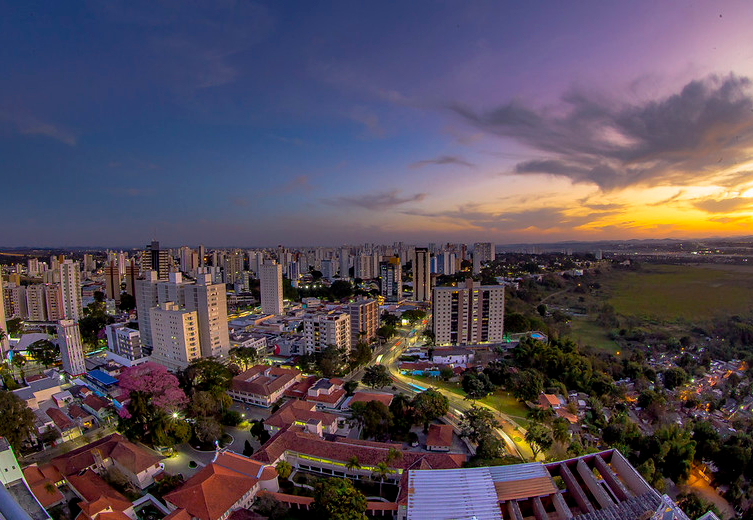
x: 156, y: 382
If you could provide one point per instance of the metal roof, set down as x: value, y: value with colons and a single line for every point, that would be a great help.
x: 473, y: 495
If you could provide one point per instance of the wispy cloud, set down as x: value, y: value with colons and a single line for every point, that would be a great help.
x: 376, y: 201
x: 366, y: 117
x: 669, y: 200
x: 723, y: 205
x: 443, y: 160
x: 686, y: 138
x: 30, y: 125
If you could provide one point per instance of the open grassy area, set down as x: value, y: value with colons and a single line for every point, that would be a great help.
x: 688, y: 292
x: 589, y: 333
x: 499, y: 400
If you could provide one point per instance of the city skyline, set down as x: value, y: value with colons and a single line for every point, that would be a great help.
x: 286, y: 123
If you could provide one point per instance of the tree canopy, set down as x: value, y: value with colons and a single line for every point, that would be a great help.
x: 44, y: 352
x: 16, y: 419
x: 337, y: 499
x: 429, y: 405
x: 376, y: 376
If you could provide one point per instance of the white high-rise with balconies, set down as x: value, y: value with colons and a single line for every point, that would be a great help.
x: 469, y: 314
x: 71, y: 348
x: 70, y: 286
x: 270, y: 279
x: 175, y: 336
x: 326, y: 330
x: 210, y: 303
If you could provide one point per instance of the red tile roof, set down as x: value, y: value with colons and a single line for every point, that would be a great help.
x: 264, y: 380
x: 129, y: 455
x: 62, y: 421
x: 76, y: 412
x: 96, y: 403
x: 296, y: 410
x: 97, y: 493
x: 178, y: 514
x: 329, y: 399
x: 342, y: 449
x: 212, y: 491
x: 300, y: 389
x: 439, y: 435
x: 364, y: 397
x: 39, y: 484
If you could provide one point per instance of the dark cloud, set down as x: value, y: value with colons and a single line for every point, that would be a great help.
x: 376, y: 201
x: 713, y: 205
x: 542, y: 219
x: 669, y: 200
x: 679, y: 140
x: 443, y: 160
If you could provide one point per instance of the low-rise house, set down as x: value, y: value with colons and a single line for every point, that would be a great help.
x: 452, y: 356
x: 43, y: 487
x: 229, y: 483
x: 40, y: 389
x: 439, y: 437
x: 327, y: 394
x: 68, y: 428
x: 136, y: 463
x: 550, y: 402
x: 301, y: 413
x: 262, y: 385
x: 99, y: 407
x: 99, y: 501
x: 365, y: 397
x: 426, y: 368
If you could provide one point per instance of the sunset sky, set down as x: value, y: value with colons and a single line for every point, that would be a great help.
x: 304, y: 123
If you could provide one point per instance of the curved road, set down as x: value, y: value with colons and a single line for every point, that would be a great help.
x: 509, y: 430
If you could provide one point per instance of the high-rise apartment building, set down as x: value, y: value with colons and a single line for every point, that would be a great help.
x: 210, y: 303
x: 421, y: 275
x: 71, y: 348
x: 468, y: 314
x: 344, y: 263
x: 54, y: 302
x: 208, y: 300
x: 146, y: 299
x: 391, y: 279
x: 362, y: 267
x: 325, y: 330
x: 364, y: 321
x: 483, y: 252
x: 14, y: 297
x: 175, y: 336
x: 124, y: 344
x: 70, y: 285
x: 112, y: 281
x: 89, y: 264
x: 3, y: 325
x: 131, y: 275
x: 32, y: 267
x: 36, y: 302
x: 155, y: 259
x: 233, y: 266
x: 270, y: 278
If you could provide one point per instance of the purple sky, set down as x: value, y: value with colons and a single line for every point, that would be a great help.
x: 240, y: 123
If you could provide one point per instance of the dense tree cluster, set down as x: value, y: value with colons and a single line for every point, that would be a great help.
x: 381, y: 422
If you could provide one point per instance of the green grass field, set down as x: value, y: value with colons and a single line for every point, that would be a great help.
x: 692, y: 293
x: 588, y: 332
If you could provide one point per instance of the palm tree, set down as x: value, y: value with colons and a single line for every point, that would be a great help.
x: 380, y: 472
x: 353, y: 463
x: 50, y: 487
x: 393, y: 454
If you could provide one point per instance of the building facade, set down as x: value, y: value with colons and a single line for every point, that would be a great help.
x: 364, y: 321
x: 468, y: 314
x: 391, y: 279
x: 175, y: 336
x: 270, y: 278
x: 124, y: 344
x: 421, y: 275
x: 71, y: 348
x: 70, y: 285
x: 324, y: 330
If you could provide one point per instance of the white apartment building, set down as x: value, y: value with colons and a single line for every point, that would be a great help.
x: 324, y: 330
x: 14, y: 297
x: 3, y: 326
x: 124, y: 345
x: 70, y: 285
x: 391, y: 279
x: 71, y: 348
x: 208, y: 300
x: 270, y: 278
x: 210, y: 303
x: 363, y: 267
x: 468, y: 314
x: 175, y: 336
x: 421, y: 275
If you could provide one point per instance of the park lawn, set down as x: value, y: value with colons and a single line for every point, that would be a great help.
x: 504, y: 402
x: 499, y: 400
x: 587, y: 332
x: 687, y: 292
